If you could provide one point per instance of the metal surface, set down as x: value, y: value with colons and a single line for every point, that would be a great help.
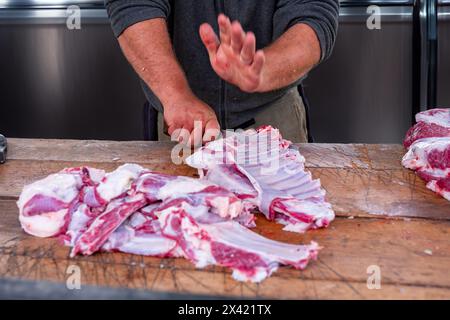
x: 3, y: 149
x: 432, y: 53
x: 363, y: 93
x: 443, y: 70
x: 389, y: 14
x: 49, y: 3
x: 426, y: 55
x: 61, y: 83
x: 355, y: 3
x: 50, y: 16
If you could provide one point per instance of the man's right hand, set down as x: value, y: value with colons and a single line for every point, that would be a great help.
x: 181, y: 115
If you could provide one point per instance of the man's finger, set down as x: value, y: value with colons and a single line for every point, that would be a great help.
x: 237, y: 37
x: 171, y: 129
x: 258, y: 62
x: 195, y: 138
x: 212, y: 131
x: 248, y: 49
x: 209, y: 39
x: 175, y: 135
x: 225, y: 29
x: 184, y: 136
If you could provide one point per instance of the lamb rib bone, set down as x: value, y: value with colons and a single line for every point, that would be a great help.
x: 229, y: 244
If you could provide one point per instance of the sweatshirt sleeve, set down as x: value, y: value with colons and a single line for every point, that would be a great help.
x: 125, y: 13
x: 321, y: 15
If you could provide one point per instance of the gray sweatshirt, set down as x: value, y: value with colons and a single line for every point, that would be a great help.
x: 268, y: 19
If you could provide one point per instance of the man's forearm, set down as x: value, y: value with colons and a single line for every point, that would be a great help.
x: 290, y: 57
x: 148, y: 48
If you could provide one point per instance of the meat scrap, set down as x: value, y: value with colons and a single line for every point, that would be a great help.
x: 207, y: 221
x: 430, y: 158
x: 430, y: 124
x: 429, y: 150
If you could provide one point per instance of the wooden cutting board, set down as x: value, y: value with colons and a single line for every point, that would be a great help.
x: 387, y: 219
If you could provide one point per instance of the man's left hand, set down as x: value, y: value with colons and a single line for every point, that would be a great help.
x: 234, y: 57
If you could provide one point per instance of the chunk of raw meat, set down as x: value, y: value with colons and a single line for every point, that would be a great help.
x: 45, y: 205
x: 430, y: 158
x: 141, y: 234
x: 106, y: 223
x: 430, y: 123
x: 302, y: 215
x: 150, y: 187
x: 266, y: 172
x: 438, y: 116
x: 157, y: 187
x: 80, y: 220
x: 229, y: 244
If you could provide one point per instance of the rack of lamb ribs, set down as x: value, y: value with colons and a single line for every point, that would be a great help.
x: 428, y: 144
x: 207, y: 221
x: 267, y: 173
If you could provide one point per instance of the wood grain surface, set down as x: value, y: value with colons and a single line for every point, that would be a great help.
x: 386, y: 218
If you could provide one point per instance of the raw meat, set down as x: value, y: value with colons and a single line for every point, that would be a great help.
x: 149, y: 187
x: 266, y: 172
x: 133, y: 210
x: 106, y: 223
x: 141, y: 234
x: 156, y: 187
x: 45, y: 205
x: 429, y: 150
x: 229, y: 244
x: 430, y: 123
x: 430, y: 158
x: 155, y: 214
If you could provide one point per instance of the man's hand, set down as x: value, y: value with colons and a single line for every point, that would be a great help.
x: 283, y: 62
x: 154, y: 60
x: 234, y: 57
x: 191, y: 121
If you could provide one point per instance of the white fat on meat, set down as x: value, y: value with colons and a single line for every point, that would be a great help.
x: 180, y: 186
x: 118, y: 182
x: 44, y: 225
x: 161, y: 186
x: 439, y: 116
x: 61, y: 186
x: 429, y: 156
x: 44, y: 204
